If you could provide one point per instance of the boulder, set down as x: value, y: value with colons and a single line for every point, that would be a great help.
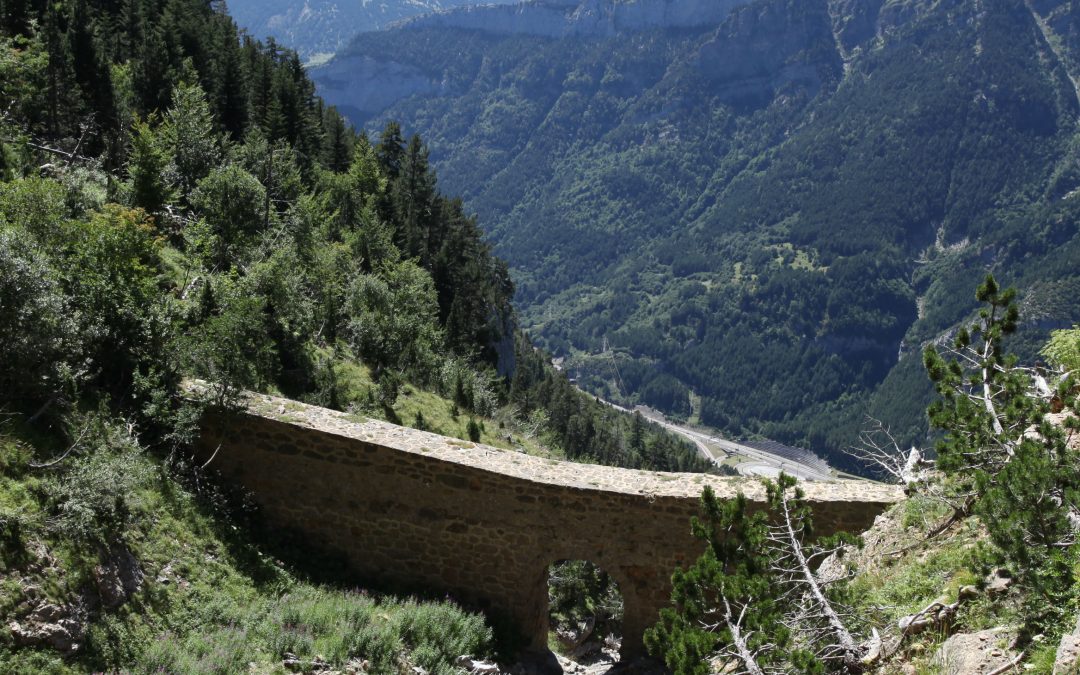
x: 118, y: 576
x: 1067, y: 661
x: 49, y: 625
x: 999, y: 581
x: 981, y: 652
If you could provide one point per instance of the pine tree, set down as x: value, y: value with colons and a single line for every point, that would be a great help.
x: 727, y: 605
x: 231, y: 95
x: 1005, y: 462
x: 390, y: 150
x: 754, y: 597
x: 63, y: 99
x: 338, y: 141
x: 192, y: 135
x: 146, y: 166
x: 413, y: 195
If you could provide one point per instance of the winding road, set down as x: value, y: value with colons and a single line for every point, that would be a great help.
x: 761, y: 463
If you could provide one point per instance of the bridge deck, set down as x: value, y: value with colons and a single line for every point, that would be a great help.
x: 543, y: 470
x: 424, y: 511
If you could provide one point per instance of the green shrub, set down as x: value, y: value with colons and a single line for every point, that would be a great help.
x: 335, y: 625
x: 101, y: 492
x: 438, y: 633
x: 36, y: 327
x: 474, y: 431
x: 225, y: 650
x: 1063, y: 349
x: 577, y: 589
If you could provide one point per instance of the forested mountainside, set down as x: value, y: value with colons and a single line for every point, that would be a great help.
x: 764, y: 217
x: 318, y: 28
x: 265, y: 244
x: 176, y: 202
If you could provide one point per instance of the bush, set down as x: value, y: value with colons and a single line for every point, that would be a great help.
x: 101, y: 492
x: 232, y: 203
x: 473, y: 430
x: 37, y: 333
x: 1063, y: 349
x: 231, y: 348
x: 335, y: 625
x: 223, y: 651
x: 577, y: 590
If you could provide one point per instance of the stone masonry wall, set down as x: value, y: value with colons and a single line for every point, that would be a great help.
x: 481, y: 523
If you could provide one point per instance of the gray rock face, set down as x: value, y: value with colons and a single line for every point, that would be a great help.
x: 764, y: 49
x: 591, y: 18
x: 362, y: 86
x: 50, y: 625
x: 1067, y: 661
x: 117, y: 577
x: 318, y: 28
x: 979, y: 652
x: 854, y: 21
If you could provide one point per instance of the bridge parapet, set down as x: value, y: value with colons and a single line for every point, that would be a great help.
x: 408, y: 507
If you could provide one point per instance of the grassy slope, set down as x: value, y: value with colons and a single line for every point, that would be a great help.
x: 440, y: 415
x: 897, y: 576
x: 212, y: 601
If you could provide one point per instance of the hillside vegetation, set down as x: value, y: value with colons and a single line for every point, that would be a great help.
x: 175, y: 202
x: 769, y: 215
x: 974, y: 573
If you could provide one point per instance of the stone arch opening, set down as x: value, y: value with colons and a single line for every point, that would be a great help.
x: 585, y: 611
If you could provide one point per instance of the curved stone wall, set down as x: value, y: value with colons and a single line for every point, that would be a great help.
x: 412, y: 508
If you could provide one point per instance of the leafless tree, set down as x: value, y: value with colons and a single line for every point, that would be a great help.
x: 879, y: 451
x: 818, y: 622
x: 732, y: 616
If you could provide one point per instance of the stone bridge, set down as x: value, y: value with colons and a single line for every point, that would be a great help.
x: 480, y: 523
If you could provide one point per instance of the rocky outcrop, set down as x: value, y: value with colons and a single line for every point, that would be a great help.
x: 854, y: 21
x: 768, y: 47
x: 319, y: 27
x: 362, y: 85
x: 118, y: 576
x: 981, y: 652
x: 1067, y: 660
x: 60, y: 627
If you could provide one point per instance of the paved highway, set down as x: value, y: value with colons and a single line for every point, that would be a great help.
x: 763, y: 464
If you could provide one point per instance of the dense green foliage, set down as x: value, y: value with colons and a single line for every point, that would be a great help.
x: 260, y: 243
x: 773, y: 214
x: 731, y: 580
x: 747, y: 598
x: 1006, y: 488
x: 210, y: 600
x: 175, y: 202
x: 583, y: 600
x: 1006, y: 461
x: 1063, y: 349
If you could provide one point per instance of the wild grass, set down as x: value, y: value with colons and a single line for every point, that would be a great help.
x: 334, y: 626
x: 439, y: 414
x: 212, y: 600
x: 901, y: 585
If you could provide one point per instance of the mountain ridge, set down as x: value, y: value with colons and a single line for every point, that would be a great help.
x: 590, y: 18
x: 772, y: 212
x: 317, y: 28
